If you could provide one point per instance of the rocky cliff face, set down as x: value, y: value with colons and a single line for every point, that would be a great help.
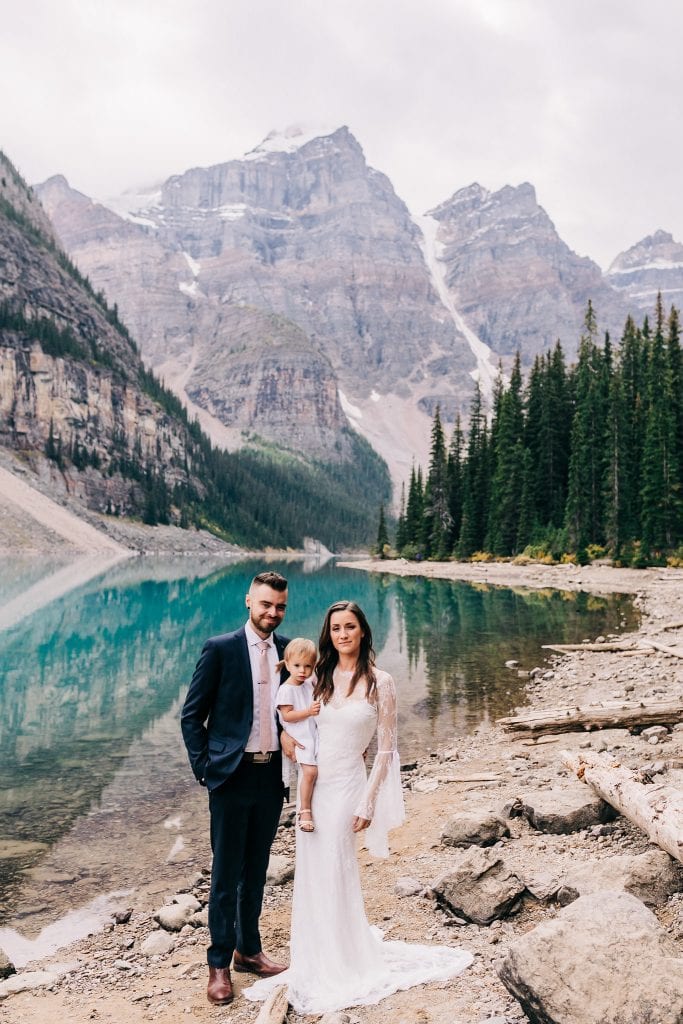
x: 70, y: 382
x: 655, y: 264
x: 280, y: 387
x: 511, y: 276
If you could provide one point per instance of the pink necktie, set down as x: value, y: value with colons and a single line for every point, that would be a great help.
x: 265, y: 711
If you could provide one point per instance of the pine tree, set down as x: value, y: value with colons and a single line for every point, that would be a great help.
x: 631, y: 370
x: 525, y: 519
x: 585, y: 497
x: 437, y: 520
x: 401, y: 529
x: 414, y: 512
x: 660, y: 482
x: 476, y: 482
x: 455, y: 472
x: 675, y: 360
x: 507, y: 444
x: 617, y: 484
x: 382, y: 534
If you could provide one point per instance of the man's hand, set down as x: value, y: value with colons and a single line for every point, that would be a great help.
x: 289, y: 745
x: 359, y: 824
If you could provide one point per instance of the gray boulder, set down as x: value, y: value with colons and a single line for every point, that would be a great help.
x: 474, y: 828
x: 186, y: 899
x: 200, y: 919
x: 157, y: 944
x: 407, y: 886
x: 652, y: 876
x: 481, y: 888
x: 174, y: 916
x: 6, y: 966
x: 280, y: 869
x: 605, y: 959
x: 560, y: 811
x: 28, y: 981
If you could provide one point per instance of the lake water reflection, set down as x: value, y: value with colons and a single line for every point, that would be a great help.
x: 91, y: 686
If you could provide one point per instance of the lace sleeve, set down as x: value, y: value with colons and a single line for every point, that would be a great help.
x: 382, y: 801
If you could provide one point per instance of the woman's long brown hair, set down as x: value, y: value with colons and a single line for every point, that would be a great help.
x: 328, y: 657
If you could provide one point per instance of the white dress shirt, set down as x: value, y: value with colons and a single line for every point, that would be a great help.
x: 253, y: 640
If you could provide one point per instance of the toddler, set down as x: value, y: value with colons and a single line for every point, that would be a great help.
x: 297, y: 711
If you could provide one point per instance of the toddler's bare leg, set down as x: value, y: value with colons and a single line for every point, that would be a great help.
x: 309, y: 773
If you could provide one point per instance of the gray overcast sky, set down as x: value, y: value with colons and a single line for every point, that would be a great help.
x: 580, y: 97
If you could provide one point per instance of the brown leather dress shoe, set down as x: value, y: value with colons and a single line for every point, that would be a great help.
x: 219, y: 989
x: 258, y: 964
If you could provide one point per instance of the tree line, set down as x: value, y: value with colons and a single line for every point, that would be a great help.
x: 573, y: 463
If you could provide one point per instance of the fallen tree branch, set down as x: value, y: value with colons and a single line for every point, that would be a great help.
x: 656, y: 808
x: 606, y: 715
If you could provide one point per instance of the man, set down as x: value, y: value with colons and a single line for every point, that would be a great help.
x: 230, y: 729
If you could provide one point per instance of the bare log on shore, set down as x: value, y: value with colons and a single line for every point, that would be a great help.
x: 656, y: 808
x: 675, y: 652
x: 606, y: 715
x: 611, y: 648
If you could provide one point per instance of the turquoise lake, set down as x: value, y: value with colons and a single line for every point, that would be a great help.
x: 95, y: 789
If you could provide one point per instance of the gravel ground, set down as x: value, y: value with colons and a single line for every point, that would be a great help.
x: 111, y: 979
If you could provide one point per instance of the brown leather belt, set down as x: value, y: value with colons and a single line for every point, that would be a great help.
x: 256, y: 757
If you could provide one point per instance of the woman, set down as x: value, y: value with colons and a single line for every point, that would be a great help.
x: 337, y: 958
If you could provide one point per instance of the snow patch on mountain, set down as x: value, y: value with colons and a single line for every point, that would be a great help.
x: 486, y: 372
x: 193, y: 264
x: 350, y: 410
x: 131, y: 204
x: 289, y: 140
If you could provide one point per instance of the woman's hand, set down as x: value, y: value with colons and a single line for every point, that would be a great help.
x: 359, y: 824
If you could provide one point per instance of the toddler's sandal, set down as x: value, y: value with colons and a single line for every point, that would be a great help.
x: 306, y: 824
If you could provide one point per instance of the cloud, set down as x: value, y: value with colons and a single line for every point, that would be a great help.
x: 579, y: 98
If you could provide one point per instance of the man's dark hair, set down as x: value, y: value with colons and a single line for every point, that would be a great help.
x: 271, y: 579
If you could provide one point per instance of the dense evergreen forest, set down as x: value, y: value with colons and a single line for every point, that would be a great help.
x: 573, y: 464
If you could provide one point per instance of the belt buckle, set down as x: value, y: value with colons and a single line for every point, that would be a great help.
x: 259, y: 757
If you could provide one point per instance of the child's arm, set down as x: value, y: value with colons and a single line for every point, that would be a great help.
x: 290, y: 715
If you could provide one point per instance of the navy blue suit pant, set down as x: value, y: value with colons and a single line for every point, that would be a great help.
x: 245, y: 812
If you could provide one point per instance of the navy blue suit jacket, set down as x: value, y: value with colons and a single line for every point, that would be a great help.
x: 219, y: 708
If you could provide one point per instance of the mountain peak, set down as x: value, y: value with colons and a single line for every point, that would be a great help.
x: 291, y: 139
x: 658, y: 249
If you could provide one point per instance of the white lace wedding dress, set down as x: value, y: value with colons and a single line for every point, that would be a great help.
x: 337, y: 959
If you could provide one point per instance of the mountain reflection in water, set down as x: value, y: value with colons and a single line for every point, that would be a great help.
x: 91, y: 686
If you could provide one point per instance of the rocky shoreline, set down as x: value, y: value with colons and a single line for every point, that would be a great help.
x: 503, y: 852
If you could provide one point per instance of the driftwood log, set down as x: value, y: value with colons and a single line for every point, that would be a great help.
x: 618, y: 647
x: 656, y: 808
x: 274, y: 1010
x: 675, y: 652
x: 605, y: 715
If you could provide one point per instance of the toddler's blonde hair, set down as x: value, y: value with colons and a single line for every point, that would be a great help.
x: 301, y: 646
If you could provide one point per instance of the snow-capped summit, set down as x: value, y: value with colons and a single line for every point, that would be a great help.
x: 655, y: 264
x: 289, y: 139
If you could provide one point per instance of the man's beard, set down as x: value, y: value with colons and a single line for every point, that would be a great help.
x: 265, y: 625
